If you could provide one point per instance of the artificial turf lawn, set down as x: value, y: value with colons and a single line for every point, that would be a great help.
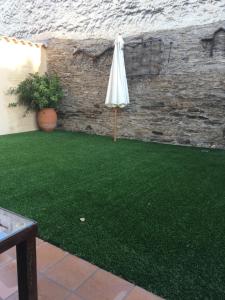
x: 155, y: 214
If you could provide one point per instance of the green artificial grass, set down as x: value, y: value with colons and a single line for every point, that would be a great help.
x: 155, y: 214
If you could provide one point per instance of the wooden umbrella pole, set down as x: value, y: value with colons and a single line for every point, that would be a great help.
x: 115, y: 124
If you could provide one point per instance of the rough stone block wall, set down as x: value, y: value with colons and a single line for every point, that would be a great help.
x: 103, y: 18
x: 176, y: 84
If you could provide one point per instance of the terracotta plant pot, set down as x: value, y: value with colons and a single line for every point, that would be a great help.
x: 47, y: 119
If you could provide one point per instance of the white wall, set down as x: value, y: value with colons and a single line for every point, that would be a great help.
x: 16, y: 61
x: 103, y: 18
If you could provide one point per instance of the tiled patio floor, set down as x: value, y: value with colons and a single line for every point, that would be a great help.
x: 64, y: 276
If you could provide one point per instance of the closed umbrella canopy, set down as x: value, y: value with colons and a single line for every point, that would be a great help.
x: 117, y: 92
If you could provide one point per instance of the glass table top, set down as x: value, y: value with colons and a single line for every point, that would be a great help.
x: 11, y: 223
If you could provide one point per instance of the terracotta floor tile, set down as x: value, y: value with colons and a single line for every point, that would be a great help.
x: 4, y: 258
x: 11, y: 252
x: 73, y: 297
x: 39, y: 242
x: 61, y: 273
x: 48, y: 290
x: 13, y: 297
x: 71, y: 271
x: 104, y: 286
x: 47, y: 255
x: 8, y: 279
x: 141, y: 294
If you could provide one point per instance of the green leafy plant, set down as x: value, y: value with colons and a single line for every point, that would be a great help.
x: 38, y: 91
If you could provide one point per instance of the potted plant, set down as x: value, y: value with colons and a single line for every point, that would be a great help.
x: 41, y: 93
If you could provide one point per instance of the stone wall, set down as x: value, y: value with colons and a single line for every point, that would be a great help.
x: 178, y: 98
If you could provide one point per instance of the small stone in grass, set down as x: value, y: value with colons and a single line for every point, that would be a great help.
x: 82, y: 219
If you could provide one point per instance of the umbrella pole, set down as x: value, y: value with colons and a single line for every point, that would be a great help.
x: 115, y: 125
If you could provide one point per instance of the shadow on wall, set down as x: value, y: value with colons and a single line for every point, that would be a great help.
x: 16, y: 62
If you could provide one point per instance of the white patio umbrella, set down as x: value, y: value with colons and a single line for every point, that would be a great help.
x: 117, y: 92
